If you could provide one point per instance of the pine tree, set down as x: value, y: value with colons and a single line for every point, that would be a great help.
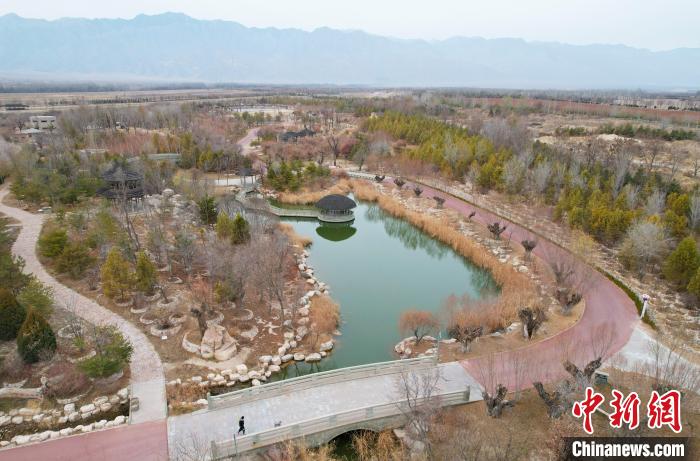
x: 683, y: 262
x: 241, y: 230
x: 145, y: 273
x: 694, y: 284
x: 224, y: 226
x: 116, y: 275
x: 207, y: 210
x: 12, y: 315
x: 52, y: 242
x: 35, y: 339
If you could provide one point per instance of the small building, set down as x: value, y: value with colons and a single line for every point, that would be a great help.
x: 295, y: 135
x: 336, y: 208
x: 122, y: 181
x: 42, y: 122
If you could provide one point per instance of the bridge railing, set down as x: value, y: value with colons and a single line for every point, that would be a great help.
x: 232, y: 447
x: 318, y: 379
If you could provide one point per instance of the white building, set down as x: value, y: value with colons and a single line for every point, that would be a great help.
x: 42, y: 122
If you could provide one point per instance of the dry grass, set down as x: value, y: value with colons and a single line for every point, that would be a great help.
x: 296, y: 239
x: 325, y: 317
x: 516, y: 289
x: 308, y: 197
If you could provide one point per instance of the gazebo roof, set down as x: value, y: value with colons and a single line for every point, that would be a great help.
x: 118, y: 172
x: 336, y: 202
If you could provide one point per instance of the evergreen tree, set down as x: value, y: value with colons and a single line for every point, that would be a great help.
x: 224, y: 226
x: 12, y: 315
x: 207, y: 210
x: 694, y: 284
x: 116, y: 275
x: 36, y: 296
x: 52, y: 242
x: 145, y: 273
x: 682, y: 264
x: 35, y: 339
x: 241, y: 230
x: 74, y: 260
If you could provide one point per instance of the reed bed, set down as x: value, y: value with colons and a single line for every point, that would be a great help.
x: 516, y: 289
x: 296, y: 239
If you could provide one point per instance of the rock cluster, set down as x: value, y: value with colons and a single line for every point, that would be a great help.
x: 71, y: 414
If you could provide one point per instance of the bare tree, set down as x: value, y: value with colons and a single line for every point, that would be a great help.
x: 532, y: 320
x: 420, y: 403
x: 420, y: 323
x: 695, y: 211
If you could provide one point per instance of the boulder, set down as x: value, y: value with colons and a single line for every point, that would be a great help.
x: 299, y: 357
x: 274, y: 369
x: 303, y: 311
x: 302, y: 332
x: 315, y: 357
x: 26, y: 412
x: 242, y: 369
x: 327, y: 346
x: 73, y: 417
x: 302, y: 321
x: 105, y: 407
x: 66, y: 431
x: 196, y: 379
x: 100, y: 400
x: 100, y: 425
x: 5, y: 420
x: 201, y: 402
x: 21, y: 439
x: 217, y: 339
x: 17, y: 420
x: 68, y: 408
x: 119, y: 420
x: 255, y: 382
x: 38, y: 418
x: 286, y: 358
x: 87, y: 408
x: 276, y: 360
x: 123, y: 393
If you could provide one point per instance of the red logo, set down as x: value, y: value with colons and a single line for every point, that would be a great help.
x: 586, y: 407
x: 665, y: 410
x: 625, y: 410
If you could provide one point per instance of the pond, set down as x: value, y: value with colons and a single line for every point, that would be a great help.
x: 378, y: 267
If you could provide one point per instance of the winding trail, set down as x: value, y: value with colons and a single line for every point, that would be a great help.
x: 147, y: 379
x: 605, y: 327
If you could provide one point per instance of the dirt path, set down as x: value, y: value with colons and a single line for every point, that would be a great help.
x: 147, y: 380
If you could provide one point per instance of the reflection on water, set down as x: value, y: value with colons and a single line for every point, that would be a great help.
x: 336, y: 232
x: 376, y: 268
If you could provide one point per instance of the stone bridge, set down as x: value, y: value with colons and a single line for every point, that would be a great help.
x: 318, y: 407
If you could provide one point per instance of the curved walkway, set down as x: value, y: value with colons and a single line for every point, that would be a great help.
x: 147, y: 379
x: 605, y: 327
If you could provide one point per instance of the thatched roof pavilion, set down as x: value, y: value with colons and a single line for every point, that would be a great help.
x: 122, y: 181
x: 336, y: 208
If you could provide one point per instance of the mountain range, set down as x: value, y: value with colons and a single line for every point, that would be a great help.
x: 176, y: 47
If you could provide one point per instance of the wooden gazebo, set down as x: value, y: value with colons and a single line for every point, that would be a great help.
x: 122, y: 181
x: 336, y: 208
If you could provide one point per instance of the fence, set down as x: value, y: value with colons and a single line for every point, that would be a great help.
x: 318, y: 379
x: 232, y: 447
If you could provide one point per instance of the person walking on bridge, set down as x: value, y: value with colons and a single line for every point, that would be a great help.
x: 241, y: 425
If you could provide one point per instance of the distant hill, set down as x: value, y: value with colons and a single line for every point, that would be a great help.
x: 176, y: 47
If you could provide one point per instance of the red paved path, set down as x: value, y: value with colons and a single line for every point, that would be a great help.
x: 138, y: 442
x: 607, y: 322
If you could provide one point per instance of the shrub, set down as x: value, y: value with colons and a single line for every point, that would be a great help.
x: 683, y: 262
x: 52, y: 242
x: 35, y: 340
x: 694, y: 284
x: 74, y: 260
x: 12, y: 315
x: 36, y: 296
x: 224, y: 226
x: 419, y: 323
x: 113, y: 353
x: 11, y: 276
x: 145, y: 273
x: 65, y: 380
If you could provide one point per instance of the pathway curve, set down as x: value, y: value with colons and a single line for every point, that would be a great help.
x: 147, y: 379
x: 605, y: 327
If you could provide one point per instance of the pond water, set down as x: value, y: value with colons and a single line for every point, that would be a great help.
x: 377, y: 267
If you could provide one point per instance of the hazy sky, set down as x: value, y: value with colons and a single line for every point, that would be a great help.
x: 653, y: 24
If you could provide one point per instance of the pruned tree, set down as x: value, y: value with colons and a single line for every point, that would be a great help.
x: 116, y: 275
x: 496, y: 229
x: 496, y: 403
x: 529, y: 245
x: 557, y: 402
x: 583, y: 377
x: 417, y: 190
x: 439, y: 201
x: 419, y: 323
x: 532, y: 320
x: 399, y: 182
x: 379, y: 178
